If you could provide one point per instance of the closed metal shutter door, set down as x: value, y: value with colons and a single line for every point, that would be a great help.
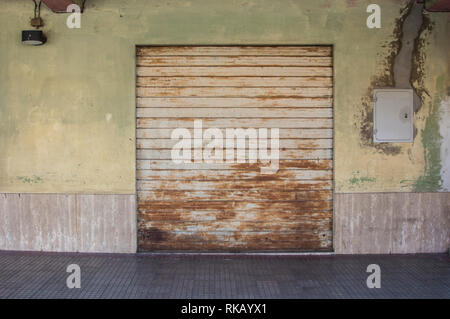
x: 232, y: 206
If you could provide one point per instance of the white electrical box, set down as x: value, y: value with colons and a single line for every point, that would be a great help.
x: 393, y: 115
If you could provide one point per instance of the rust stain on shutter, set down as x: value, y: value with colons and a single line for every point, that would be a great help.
x: 232, y: 206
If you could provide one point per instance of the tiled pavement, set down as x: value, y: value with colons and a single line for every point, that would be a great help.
x: 43, y: 275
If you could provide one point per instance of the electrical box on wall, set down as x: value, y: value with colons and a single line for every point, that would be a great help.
x: 393, y: 115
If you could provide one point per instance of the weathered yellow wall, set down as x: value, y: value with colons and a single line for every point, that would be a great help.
x: 67, y: 109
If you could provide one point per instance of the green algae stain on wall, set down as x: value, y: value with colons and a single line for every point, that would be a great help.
x: 30, y: 179
x: 358, y: 181
x: 431, y: 180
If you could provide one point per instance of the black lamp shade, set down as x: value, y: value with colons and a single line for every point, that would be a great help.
x: 33, y: 37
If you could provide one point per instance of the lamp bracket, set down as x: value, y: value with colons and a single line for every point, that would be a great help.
x: 37, y: 21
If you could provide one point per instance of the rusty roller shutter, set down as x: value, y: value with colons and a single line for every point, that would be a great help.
x: 232, y: 206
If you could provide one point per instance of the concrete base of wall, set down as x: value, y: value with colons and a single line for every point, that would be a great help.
x: 68, y: 222
x: 394, y: 223
x: 363, y: 223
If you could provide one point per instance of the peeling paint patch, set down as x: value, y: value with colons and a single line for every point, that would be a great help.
x: 418, y: 62
x: 382, y: 80
x: 398, y: 72
x: 403, y: 64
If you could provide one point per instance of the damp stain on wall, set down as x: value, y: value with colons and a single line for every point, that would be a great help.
x: 431, y: 180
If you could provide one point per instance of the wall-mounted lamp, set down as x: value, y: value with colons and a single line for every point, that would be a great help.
x: 35, y: 37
